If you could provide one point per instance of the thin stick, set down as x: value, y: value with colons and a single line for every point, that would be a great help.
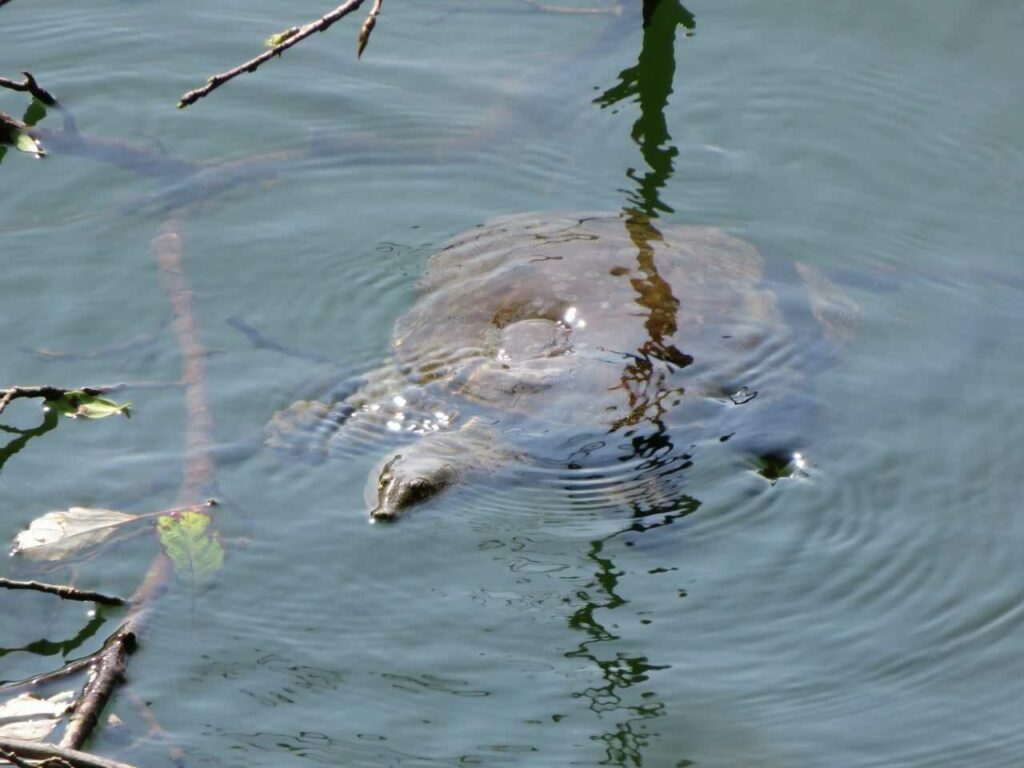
x: 320, y: 25
x: 14, y: 760
x: 37, y: 750
x: 28, y: 85
x: 63, y: 592
x: 69, y: 669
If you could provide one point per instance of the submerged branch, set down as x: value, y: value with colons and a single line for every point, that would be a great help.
x: 63, y: 592
x: 285, y: 41
x: 37, y: 750
x: 109, y: 664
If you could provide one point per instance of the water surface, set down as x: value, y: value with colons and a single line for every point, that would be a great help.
x: 869, y: 614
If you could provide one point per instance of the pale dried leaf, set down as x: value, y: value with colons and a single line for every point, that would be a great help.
x: 31, y: 718
x: 59, y: 535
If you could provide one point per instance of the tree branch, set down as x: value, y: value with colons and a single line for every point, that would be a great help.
x: 28, y: 85
x: 49, y: 393
x: 37, y: 750
x: 294, y: 37
x: 61, y: 591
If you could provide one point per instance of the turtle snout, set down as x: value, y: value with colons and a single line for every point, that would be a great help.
x: 400, y: 487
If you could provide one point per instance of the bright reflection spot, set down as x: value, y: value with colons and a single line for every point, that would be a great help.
x: 503, y: 356
x: 799, y: 461
x: 375, y: 407
x: 572, y: 318
x: 394, y: 426
x: 399, y: 401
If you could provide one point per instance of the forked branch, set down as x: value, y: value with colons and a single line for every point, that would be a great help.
x: 28, y: 85
x: 283, y: 42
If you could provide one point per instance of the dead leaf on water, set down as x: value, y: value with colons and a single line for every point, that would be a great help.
x: 32, y: 718
x: 66, y: 533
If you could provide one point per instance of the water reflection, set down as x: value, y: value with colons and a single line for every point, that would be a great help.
x: 43, y: 647
x: 645, y: 383
x: 649, y: 81
x: 49, y: 422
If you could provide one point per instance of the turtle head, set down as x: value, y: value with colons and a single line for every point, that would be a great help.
x: 406, y: 480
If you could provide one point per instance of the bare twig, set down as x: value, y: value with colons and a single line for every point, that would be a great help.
x: 69, y: 669
x: 320, y: 25
x: 29, y: 85
x: 64, y: 592
x: 37, y: 750
x: 14, y: 760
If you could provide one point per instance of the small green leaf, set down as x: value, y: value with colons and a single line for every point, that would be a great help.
x: 25, y: 143
x: 76, y: 404
x: 36, y: 111
x: 196, y: 554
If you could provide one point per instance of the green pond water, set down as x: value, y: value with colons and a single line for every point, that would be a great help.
x: 869, y: 614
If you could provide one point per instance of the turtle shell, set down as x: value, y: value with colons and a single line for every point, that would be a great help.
x: 599, y: 319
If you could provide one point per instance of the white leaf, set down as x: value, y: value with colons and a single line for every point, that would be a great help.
x: 58, y: 535
x: 31, y: 718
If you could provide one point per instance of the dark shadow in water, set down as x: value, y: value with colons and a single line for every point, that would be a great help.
x: 51, y: 648
x: 24, y: 435
x: 645, y: 381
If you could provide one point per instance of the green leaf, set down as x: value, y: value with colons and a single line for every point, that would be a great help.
x: 67, y: 533
x: 196, y: 554
x: 36, y: 111
x: 25, y: 143
x: 32, y: 718
x: 76, y: 404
